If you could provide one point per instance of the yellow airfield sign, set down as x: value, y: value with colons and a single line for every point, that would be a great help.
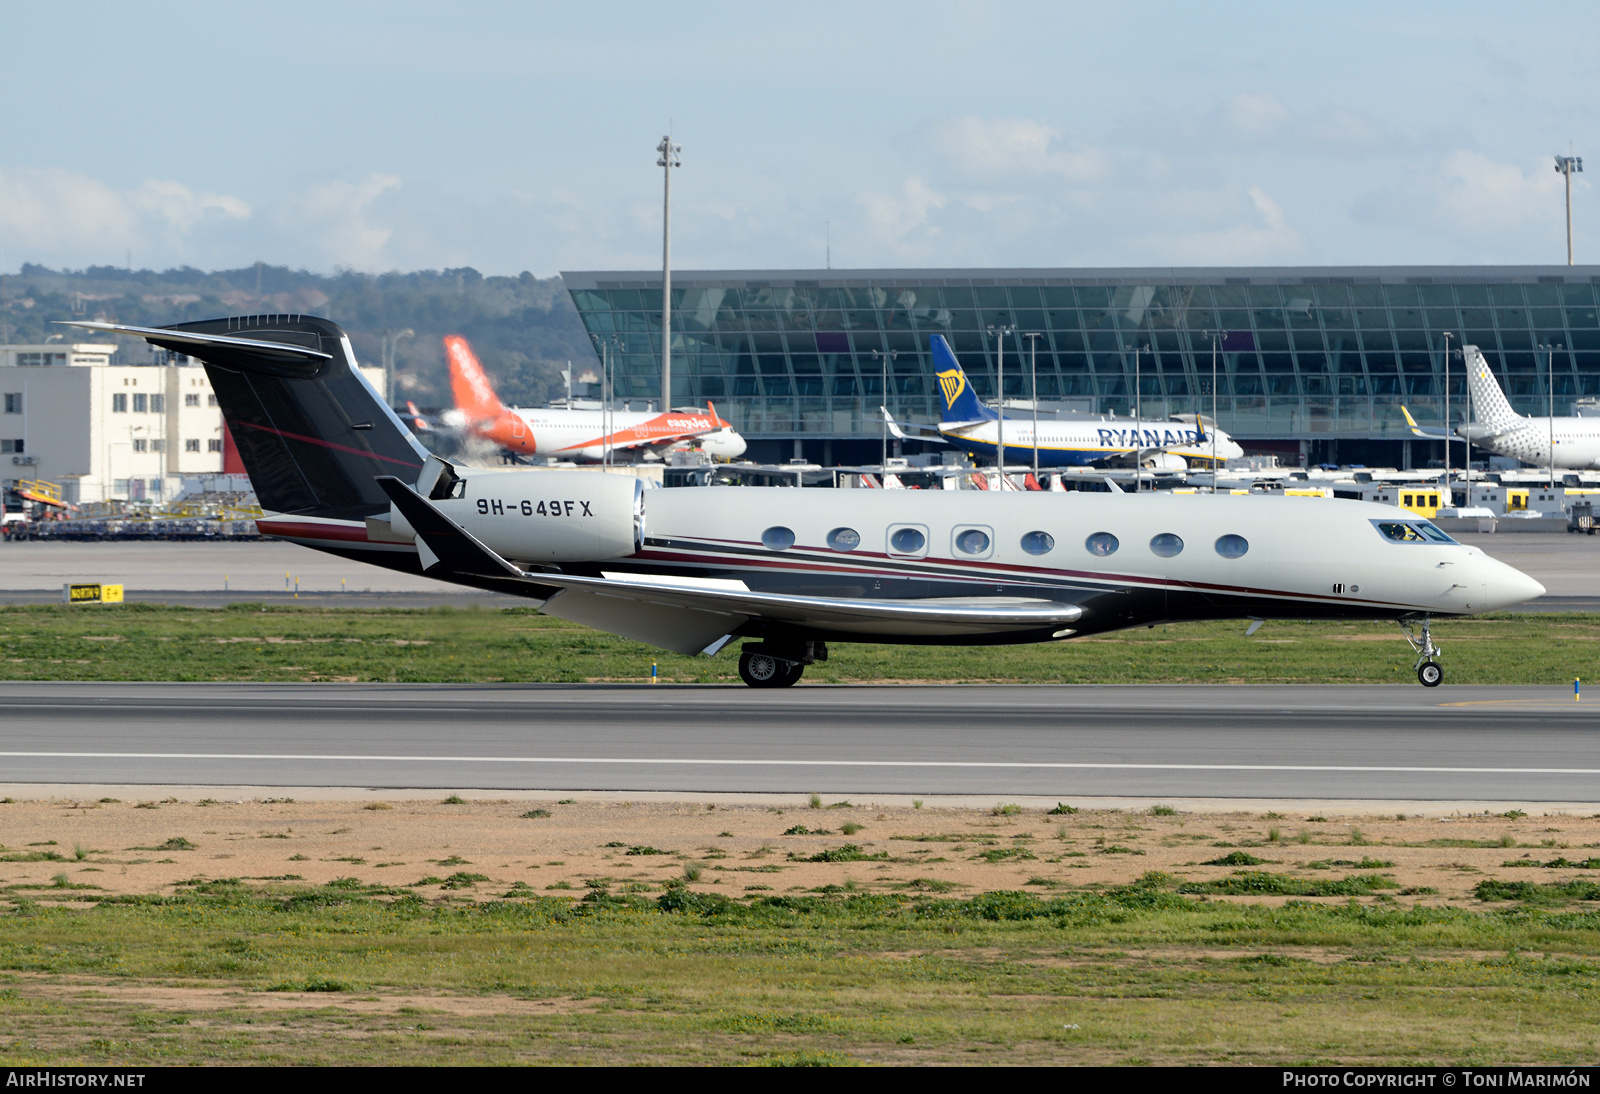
x: 91, y: 594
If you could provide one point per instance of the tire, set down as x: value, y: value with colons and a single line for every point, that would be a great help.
x: 796, y: 670
x: 762, y: 670
x: 1429, y: 674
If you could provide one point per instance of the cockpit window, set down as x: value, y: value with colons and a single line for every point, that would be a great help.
x: 1411, y: 531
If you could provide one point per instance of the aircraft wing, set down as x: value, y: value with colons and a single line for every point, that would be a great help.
x: 1423, y: 431
x: 912, y: 431
x: 690, y: 617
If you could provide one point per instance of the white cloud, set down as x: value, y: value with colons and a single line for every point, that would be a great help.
x: 335, y: 218
x: 63, y: 217
x: 181, y: 208
x: 1014, y: 147
x: 1261, y: 234
x: 903, y: 221
x: 1469, y: 196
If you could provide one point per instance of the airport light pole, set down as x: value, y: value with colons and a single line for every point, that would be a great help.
x: 1216, y: 344
x: 1550, y: 379
x: 1569, y: 166
x: 607, y: 347
x: 1138, y: 419
x: 667, y: 161
x: 1000, y: 331
x: 391, y: 340
x: 885, y: 356
x: 1033, y: 378
x: 1444, y: 487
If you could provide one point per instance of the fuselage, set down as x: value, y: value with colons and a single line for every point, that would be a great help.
x: 1128, y: 560
x: 589, y: 434
x: 1076, y: 444
x: 1577, y: 441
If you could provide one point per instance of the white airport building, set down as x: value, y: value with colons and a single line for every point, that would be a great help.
x: 102, y: 431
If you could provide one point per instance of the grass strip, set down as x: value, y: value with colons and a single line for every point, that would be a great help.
x: 255, y: 642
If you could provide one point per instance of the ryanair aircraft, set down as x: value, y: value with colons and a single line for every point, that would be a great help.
x: 791, y: 571
x: 968, y: 424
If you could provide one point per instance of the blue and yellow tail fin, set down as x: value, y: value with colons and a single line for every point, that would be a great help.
x: 961, y: 403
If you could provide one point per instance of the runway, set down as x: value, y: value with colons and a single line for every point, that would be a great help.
x: 1394, y: 742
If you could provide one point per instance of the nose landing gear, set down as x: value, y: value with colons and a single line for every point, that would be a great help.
x: 1429, y: 673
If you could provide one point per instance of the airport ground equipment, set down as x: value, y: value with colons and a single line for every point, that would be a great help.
x: 792, y: 572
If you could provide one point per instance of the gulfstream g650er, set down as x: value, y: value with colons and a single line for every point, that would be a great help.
x: 789, y: 570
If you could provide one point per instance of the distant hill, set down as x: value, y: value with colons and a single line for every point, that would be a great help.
x: 524, y: 328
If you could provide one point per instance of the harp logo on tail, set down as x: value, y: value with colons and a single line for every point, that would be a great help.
x: 952, y: 383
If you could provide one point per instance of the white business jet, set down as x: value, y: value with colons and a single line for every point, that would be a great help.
x: 792, y: 570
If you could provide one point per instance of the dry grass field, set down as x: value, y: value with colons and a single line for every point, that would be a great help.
x: 404, y: 929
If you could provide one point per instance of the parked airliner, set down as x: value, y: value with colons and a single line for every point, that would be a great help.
x: 793, y: 570
x: 1505, y: 432
x: 975, y: 428
x: 584, y: 435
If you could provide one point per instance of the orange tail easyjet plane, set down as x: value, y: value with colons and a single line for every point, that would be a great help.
x: 578, y: 434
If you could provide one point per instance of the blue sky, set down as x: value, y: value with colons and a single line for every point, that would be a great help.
x: 521, y: 136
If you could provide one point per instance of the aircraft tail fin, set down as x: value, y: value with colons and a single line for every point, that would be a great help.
x: 1489, y: 404
x: 473, y: 394
x: 312, y: 433
x: 961, y: 403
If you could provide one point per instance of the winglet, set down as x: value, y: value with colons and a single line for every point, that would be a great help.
x: 894, y: 430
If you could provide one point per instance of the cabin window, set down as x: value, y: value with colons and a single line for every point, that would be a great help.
x: 1231, y: 546
x: 1101, y: 544
x: 1166, y: 544
x: 844, y: 539
x: 1038, y: 543
x: 907, y: 541
x: 972, y: 541
x: 777, y: 538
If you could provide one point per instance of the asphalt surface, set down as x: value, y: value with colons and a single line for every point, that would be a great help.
x: 1389, y: 742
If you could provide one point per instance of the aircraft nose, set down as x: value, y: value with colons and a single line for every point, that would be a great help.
x: 1504, y: 586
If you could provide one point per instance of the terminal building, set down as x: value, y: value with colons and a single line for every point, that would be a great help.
x: 1312, y: 364
x: 103, y: 430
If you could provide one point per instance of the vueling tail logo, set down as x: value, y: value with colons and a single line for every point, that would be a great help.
x: 952, y: 383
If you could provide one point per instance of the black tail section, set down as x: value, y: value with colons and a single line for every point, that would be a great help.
x: 311, y: 431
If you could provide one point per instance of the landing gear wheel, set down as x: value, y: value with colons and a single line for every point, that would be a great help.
x: 1430, y: 674
x: 762, y: 670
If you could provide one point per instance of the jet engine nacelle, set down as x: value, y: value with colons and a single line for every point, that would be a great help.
x: 541, y: 516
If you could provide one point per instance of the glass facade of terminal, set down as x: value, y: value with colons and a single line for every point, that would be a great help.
x: 1302, y: 354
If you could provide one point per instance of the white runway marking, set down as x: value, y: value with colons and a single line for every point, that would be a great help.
x: 794, y: 763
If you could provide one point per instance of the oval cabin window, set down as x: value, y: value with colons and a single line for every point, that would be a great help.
x: 1038, y: 543
x: 844, y: 539
x: 1231, y: 546
x: 972, y: 542
x: 1101, y: 544
x: 907, y: 541
x: 1166, y: 545
x: 777, y: 539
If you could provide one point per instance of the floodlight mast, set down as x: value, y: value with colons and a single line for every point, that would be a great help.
x: 667, y: 161
x: 1444, y: 483
x: 1000, y: 333
x: 1569, y: 166
x: 885, y: 356
x: 1216, y: 339
x: 1033, y: 379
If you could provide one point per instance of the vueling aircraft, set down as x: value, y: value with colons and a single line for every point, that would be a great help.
x: 975, y: 428
x: 1505, y: 432
x: 582, y: 435
x: 791, y: 571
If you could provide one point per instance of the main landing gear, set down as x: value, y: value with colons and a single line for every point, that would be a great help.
x: 1429, y: 672
x: 769, y: 665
